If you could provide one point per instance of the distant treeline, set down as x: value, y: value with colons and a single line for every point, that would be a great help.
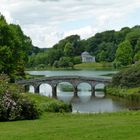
x: 120, y: 47
x: 17, y: 52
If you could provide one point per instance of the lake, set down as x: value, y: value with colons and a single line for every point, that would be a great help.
x: 85, y: 102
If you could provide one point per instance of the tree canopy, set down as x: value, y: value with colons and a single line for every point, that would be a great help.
x: 124, y: 54
x: 14, y: 49
x: 121, y: 47
x: 128, y: 77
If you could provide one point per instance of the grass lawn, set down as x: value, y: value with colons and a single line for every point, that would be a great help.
x: 93, y: 65
x: 131, y: 94
x: 51, y: 126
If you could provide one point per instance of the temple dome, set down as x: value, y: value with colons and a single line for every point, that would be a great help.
x: 85, y: 53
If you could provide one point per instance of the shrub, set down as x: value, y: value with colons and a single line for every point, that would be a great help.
x: 47, y: 104
x: 13, y: 105
x: 55, y: 106
x: 9, y: 108
x: 129, y: 94
x: 29, y: 109
x: 128, y: 77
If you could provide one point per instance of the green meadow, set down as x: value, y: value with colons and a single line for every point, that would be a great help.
x: 94, y: 65
x: 67, y: 126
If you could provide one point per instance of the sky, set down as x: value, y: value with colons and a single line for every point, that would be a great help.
x: 48, y: 21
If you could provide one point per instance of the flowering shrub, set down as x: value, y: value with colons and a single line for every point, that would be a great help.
x: 13, y: 105
x: 9, y: 108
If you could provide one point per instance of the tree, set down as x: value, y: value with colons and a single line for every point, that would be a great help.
x: 137, y: 48
x: 56, y: 64
x: 128, y: 77
x: 65, y: 62
x: 102, y: 56
x: 77, y: 60
x: 120, y: 35
x: 102, y: 45
x: 137, y: 56
x: 133, y: 36
x: 68, y: 50
x: 14, y: 48
x: 106, y: 52
x: 124, y: 54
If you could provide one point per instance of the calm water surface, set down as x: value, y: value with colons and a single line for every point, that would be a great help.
x: 88, y: 73
x: 85, y: 102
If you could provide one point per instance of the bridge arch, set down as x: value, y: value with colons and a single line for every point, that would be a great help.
x: 65, y: 86
x: 73, y: 86
x: 29, y: 88
x: 100, y: 86
x: 66, y: 89
x: 100, y: 89
x: 84, y: 86
x: 45, y: 89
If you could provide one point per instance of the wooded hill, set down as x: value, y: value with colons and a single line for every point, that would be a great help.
x: 16, y: 49
x: 120, y: 47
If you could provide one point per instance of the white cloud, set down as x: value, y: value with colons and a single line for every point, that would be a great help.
x: 85, y: 32
x: 43, y: 35
x: 8, y: 17
x: 48, y: 21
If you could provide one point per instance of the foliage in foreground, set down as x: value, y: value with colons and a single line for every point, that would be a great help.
x: 126, y: 83
x: 14, y: 49
x: 13, y: 105
x: 46, y: 104
x: 16, y: 105
x: 129, y: 77
x: 132, y: 94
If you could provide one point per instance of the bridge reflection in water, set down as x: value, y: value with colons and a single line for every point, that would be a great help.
x: 56, y: 80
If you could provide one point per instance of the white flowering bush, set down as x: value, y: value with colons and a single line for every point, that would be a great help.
x: 13, y: 105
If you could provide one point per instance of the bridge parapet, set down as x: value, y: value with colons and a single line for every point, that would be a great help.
x: 65, y: 78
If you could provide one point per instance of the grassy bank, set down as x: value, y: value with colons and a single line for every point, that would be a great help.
x: 93, y: 65
x: 110, y: 126
x: 132, y: 94
x: 46, y: 104
x: 48, y: 68
x: 29, y: 76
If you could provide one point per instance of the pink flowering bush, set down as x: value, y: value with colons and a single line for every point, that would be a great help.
x: 13, y: 105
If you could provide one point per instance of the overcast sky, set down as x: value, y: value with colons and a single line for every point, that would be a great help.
x: 48, y: 21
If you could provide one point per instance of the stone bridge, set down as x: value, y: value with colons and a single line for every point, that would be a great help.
x: 55, y: 80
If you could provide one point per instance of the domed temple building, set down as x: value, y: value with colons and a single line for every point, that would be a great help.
x: 86, y: 57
